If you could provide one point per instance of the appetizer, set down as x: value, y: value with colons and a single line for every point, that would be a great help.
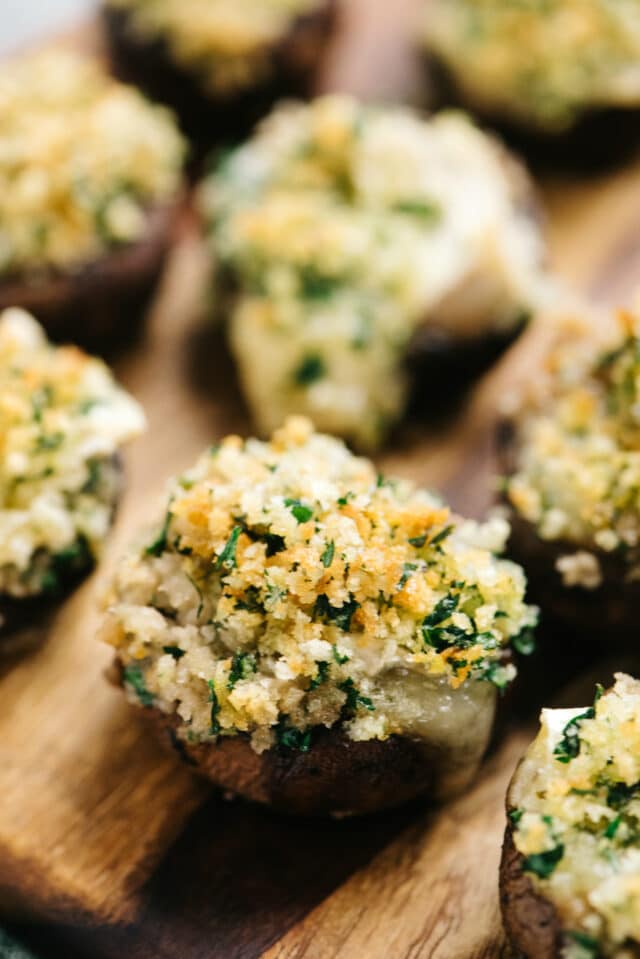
x: 570, y: 873
x: 220, y: 65
x: 62, y: 422
x: 560, y: 80
x: 90, y: 184
x: 311, y: 635
x: 353, y: 242
x: 573, y: 484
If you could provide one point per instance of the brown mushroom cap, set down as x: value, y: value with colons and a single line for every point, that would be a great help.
x: 102, y: 303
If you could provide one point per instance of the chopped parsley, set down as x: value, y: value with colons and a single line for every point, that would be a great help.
x: 441, y: 536
x: 443, y: 609
x: 65, y: 564
x: 200, y: 595
x: 49, y: 441
x: 568, y: 746
x: 426, y: 210
x: 524, y: 643
x: 275, y: 543
x: 311, y: 369
x: 159, y: 545
x: 94, y: 471
x: 301, y: 513
x: 134, y: 677
x: 515, y: 815
x: 227, y: 558
x: 498, y: 674
x: 288, y: 737
x: 440, y: 637
x: 328, y: 553
x: 340, y: 658
x: 174, y: 651
x: 619, y: 794
x: 315, y: 285
x: 418, y: 541
x: 214, y: 728
x: 242, y: 665
x: 354, y: 698
x: 612, y: 828
x: 588, y: 945
x: 407, y: 570
x: 40, y: 400
x: 321, y: 676
x: 542, y: 864
x: 251, y: 601
x: 340, y: 615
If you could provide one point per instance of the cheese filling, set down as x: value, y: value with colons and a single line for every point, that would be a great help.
x: 577, y: 475
x: 229, y: 45
x: 575, y: 810
x: 62, y: 421
x: 542, y: 62
x: 289, y: 587
x: 339, y: 230
x: 82, y: 161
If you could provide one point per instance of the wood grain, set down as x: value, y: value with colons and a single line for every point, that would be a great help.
x: 90, y: 810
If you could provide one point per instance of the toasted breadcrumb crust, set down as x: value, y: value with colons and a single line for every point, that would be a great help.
x: 228, y: 45
x: 543, y: 62
x: 339, y: 230
x: 288, y: 586
x: 82, y: 160
x: 575, y: 810
x: 62, y: 420
x: 577, y: 470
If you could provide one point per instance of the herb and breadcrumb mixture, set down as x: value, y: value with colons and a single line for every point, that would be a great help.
x: 577, y: 476
x: 228, y: 45
x: 62, y: 421
x: 543, y: 62
x: 289, y: 586
x: 575, y: 811
x: 341, y: 229
x: 83, y: 159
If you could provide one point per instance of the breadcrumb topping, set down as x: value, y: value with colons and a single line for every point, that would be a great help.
x: 576, y: 815
x: 577, y: 475
x: 82, y: 160
x: 543, y: 61
x: 62, y: 420
x: 229, y: 45
x: 289, y: 586
x: 341, y: 229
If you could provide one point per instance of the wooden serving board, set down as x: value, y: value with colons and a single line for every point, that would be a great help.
x: 117, y: 848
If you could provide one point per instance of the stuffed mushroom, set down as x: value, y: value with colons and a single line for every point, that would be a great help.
x: 311, y: 635
x: 359, y: 250
x: 572, y: 465
x: 220, y: 65
x: 560, y: 80
x: 570, y: 872
x: 90, y: 185
x: 63, y: 420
